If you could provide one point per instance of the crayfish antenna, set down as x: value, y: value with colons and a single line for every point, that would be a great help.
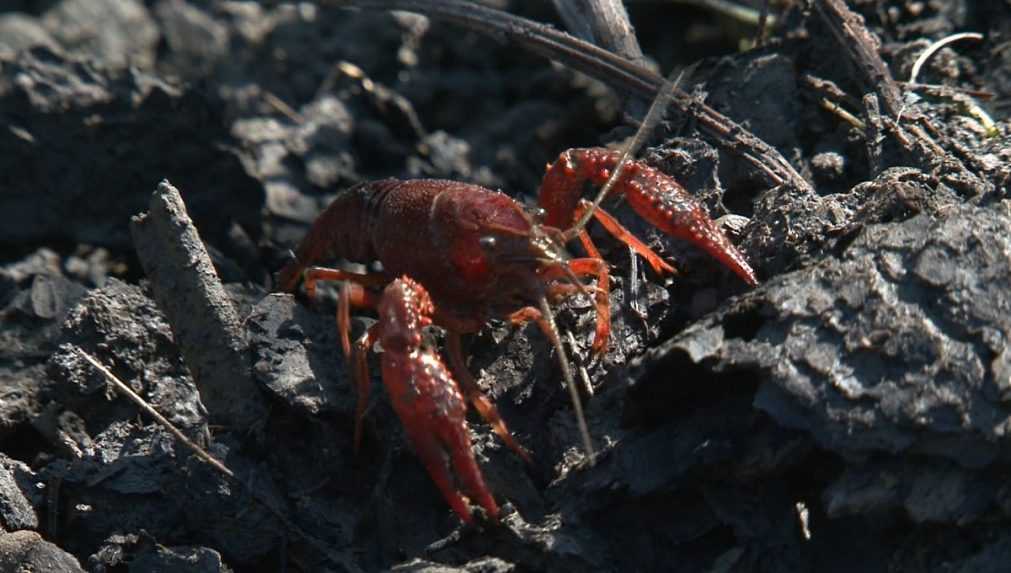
x: 551, y: 329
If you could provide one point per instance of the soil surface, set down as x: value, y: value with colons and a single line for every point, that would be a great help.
x: 850, y: 413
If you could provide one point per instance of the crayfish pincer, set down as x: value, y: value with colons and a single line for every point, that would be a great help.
x: 424, y: 395
x: 456, y: 255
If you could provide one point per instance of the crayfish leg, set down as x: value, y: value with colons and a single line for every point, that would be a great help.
x: 313, y: 275
x: 353, y: 293
x: 618, y: 231
x: 602, y: 302
x: 360, y: 375
x: 596, y: 268
x: 472, y: 392
x: 546, y: 321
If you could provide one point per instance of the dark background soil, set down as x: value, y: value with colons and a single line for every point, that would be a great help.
x: 851, y: 413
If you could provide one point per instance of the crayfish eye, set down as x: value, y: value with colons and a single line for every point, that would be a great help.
x: 488, y: 243
x: 539, y: 214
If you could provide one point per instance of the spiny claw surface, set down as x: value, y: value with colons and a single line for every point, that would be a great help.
x: 655, y: 196
x: 427, y: 399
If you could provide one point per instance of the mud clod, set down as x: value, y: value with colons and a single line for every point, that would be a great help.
x: 27, y: 551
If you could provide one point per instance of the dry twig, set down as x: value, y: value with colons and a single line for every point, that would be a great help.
x: 874, y: 137
x: 200, y: 312
x: 604, y: 23
x: 164, y: 422
x: 125, y: 390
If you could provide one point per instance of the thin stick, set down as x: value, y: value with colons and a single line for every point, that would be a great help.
x: 862, y: 49
x: 584, y: 376
x: 150, y: 411
x: 202, y: 315
x: 380, y: 94
x: 282, y: 106
x: 606, y: 24
x: 602, y: 22
x: 873, y: 135
x: 563, y: 360
x: 939, y: 90
x: 843, y: 114
x: 201, y: 453
x: 744, y: 14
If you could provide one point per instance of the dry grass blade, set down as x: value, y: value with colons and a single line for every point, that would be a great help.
x: 972, y: 107
x: 125, y: 390
x: 933, y: 49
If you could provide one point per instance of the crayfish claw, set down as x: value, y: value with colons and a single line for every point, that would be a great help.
x: 438, y: 456
x: 655, y: 196
x: 427, y: 400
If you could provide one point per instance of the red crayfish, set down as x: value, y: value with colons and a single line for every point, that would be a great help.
x: 457, y: 255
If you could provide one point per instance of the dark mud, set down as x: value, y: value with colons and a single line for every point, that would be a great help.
x: 851, y: 413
